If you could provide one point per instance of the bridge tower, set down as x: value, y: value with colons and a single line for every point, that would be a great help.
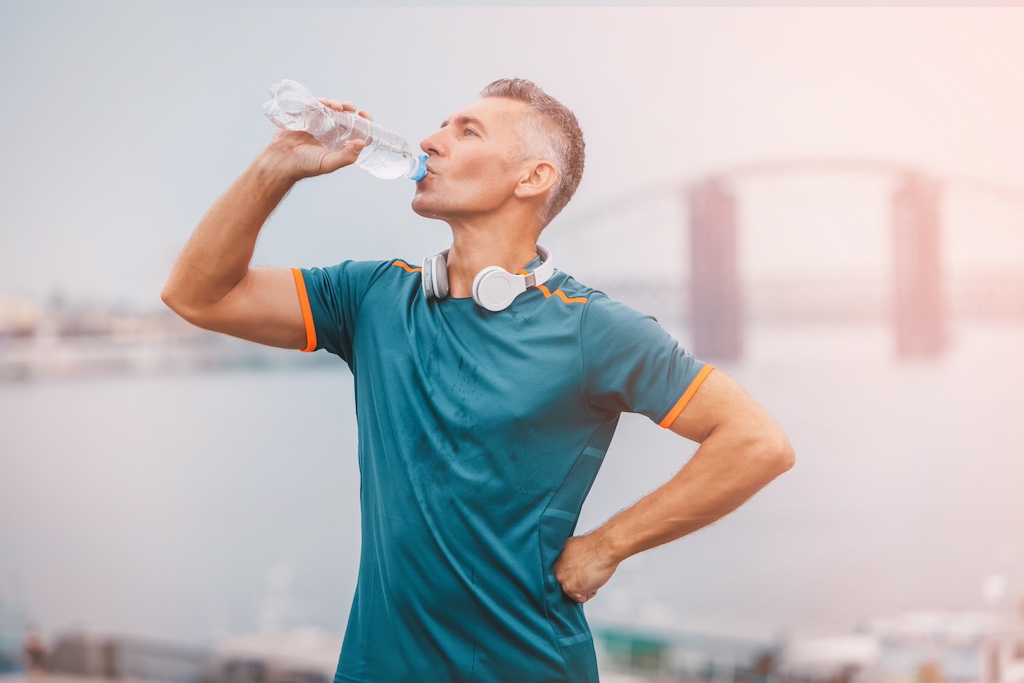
x: 919, y: 315
x: 715, y: 301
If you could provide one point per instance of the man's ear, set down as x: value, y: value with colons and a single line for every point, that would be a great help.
x: 538, y: 177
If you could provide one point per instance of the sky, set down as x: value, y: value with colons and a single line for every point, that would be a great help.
x: 124, y: 122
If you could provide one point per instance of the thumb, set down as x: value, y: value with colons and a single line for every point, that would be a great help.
x: 340, y: 158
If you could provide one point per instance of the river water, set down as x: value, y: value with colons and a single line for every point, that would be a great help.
x: 195, y: 506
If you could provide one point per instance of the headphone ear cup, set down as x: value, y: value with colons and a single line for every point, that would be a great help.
x: 426, y: 280
x: 434, y: 276
x: 494, y: 288
x: 440, y: 276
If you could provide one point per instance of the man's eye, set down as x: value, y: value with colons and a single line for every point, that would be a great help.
x: 469, y: 131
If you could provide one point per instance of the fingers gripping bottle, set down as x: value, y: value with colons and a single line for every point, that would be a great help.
x: 386, y: 155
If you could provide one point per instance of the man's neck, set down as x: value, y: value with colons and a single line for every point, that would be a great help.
x: 476, y: 248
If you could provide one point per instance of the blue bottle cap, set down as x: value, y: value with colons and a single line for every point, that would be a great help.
x: 421, y: 168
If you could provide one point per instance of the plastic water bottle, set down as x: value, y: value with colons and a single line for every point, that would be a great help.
x: 386, y: 155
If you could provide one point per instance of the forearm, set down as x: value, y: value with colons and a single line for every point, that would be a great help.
x: 217, y: 256
x: 729, y: 467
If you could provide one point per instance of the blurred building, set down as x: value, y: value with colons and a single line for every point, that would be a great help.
x: 13, y: 625
x: 19, y: 317
x: 958, y: 646
x: 635, y: 654
x: 86, y: 654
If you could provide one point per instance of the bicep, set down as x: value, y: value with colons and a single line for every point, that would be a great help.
x: 720, y: 401
x: 263, y: 307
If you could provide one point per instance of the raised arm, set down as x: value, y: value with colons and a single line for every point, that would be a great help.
x: 212, y: 285
x: 741, y: 449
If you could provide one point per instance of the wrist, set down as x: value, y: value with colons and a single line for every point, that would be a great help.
x: 608, y: 545
x: 274, y: 170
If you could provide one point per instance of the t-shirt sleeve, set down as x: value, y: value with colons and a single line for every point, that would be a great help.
x: 330, y: 299
x: 631, y: 364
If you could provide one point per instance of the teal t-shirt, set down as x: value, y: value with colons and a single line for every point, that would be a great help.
x: 480, y: 435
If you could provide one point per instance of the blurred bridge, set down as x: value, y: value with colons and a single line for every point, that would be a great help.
x: 719, y: 300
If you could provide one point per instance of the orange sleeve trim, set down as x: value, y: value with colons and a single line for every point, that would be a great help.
x: 687, y: 395
x: 307, y: 314
x: 408, y: 268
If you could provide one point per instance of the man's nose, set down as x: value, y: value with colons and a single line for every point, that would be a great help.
x: 431, y: 144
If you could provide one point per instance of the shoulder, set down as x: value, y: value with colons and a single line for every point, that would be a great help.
x: 401, y: 276
x: 565, y: 287
x: 401, y: 266
x: 367, y: 271
x: 607, y: 325
x: 596, y: 308
x: 599, y: 305
x: 348, y: 283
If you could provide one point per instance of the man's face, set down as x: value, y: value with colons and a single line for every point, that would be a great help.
x: 471, y: 166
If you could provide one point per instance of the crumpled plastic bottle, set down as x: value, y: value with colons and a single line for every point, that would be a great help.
x: 386, y: 155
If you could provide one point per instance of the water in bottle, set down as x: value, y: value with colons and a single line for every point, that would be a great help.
x: 386, y: 155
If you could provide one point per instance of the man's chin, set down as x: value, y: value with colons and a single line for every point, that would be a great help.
x: 423, y: 208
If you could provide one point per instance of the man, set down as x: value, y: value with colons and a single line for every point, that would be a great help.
x: 481, y: 427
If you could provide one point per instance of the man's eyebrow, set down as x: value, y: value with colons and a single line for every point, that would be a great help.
x: 465, y: 120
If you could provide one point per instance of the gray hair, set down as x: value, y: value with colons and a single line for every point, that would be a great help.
x: 551, y: 132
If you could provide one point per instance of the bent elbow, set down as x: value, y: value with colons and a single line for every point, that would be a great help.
x: 167, y: 296
x: 786, y: 456
x: 775, y: 454
x: 174, y: 301
x: 171, y: 298
x: 779, y: 453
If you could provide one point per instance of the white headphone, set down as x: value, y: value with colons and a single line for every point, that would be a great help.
x: 494, y: 288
